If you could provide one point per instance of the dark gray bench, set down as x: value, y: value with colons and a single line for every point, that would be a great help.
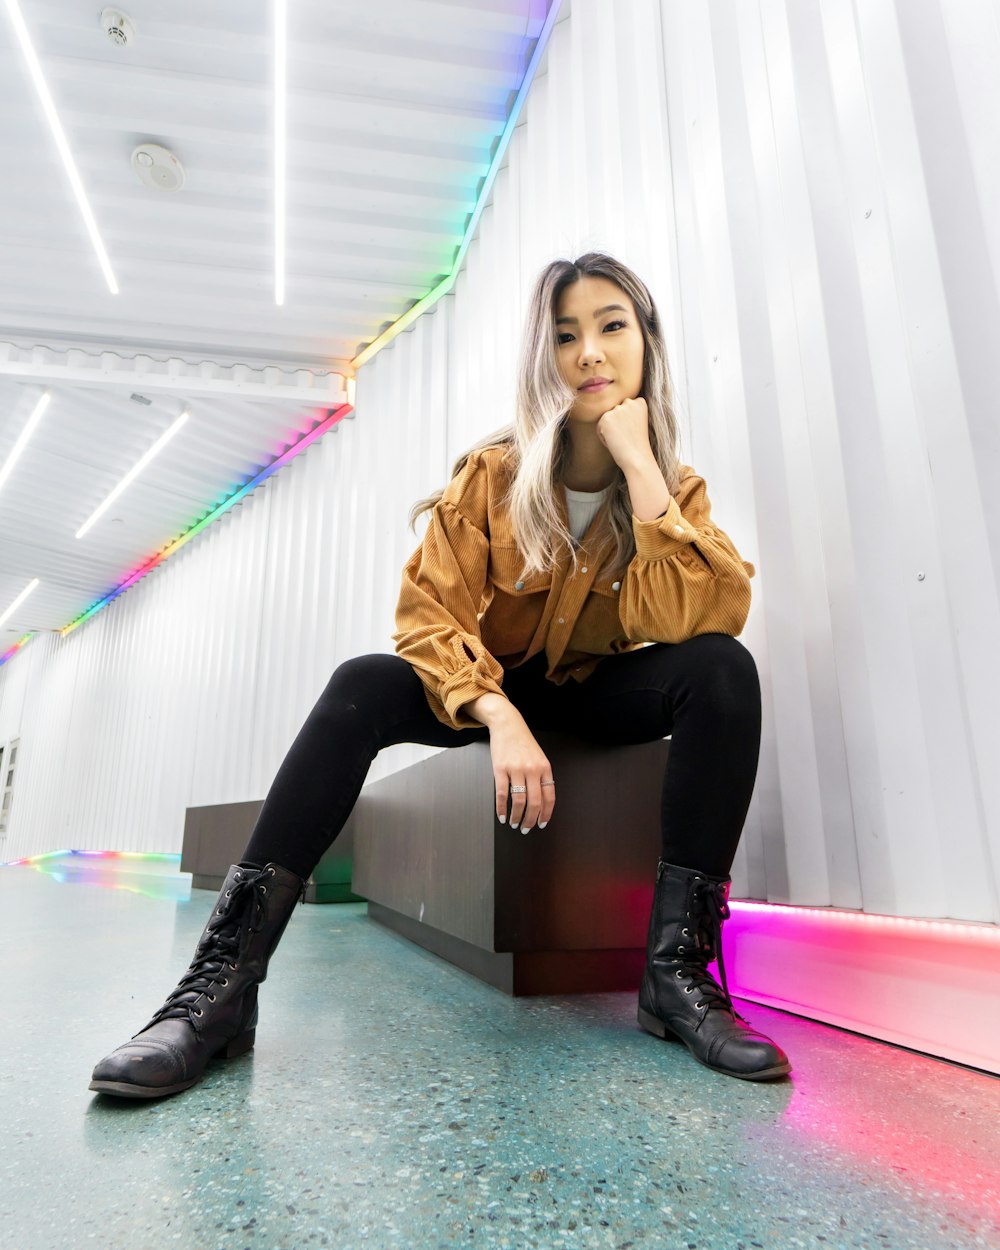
x: 560, y: 910
x: 214, y: 838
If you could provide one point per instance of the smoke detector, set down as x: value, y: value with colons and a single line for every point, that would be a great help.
x: 118, y: 27
x: 157, y: 167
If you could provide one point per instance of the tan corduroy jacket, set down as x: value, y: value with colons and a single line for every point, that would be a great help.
x: 466, y: 613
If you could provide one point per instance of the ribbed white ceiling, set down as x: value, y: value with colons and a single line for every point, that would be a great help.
x: 394, y: 111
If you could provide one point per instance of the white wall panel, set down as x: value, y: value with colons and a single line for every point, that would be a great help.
x: 805, y: 188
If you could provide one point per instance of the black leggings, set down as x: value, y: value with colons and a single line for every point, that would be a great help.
x: 704, y: 692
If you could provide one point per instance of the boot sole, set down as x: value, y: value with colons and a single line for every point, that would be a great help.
x: 653, y: 1024
x: 238, y: 1046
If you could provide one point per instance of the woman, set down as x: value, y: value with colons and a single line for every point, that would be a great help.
x: 562, y: 547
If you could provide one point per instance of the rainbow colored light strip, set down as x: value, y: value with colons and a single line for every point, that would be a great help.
x: 296, y: 449
x: 445, y: 285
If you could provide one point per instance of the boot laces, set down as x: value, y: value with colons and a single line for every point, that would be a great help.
x: 244, y: 909
x: 709, y: 908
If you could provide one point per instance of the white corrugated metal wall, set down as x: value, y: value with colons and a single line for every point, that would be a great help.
x: 805, y: 188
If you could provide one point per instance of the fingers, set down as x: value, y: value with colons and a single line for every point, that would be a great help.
x: 548, y: 801
x: 502, y: 786
x: 535, y: 805
x: 519, y: 792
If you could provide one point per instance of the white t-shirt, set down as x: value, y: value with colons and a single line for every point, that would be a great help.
x: 583, y: 506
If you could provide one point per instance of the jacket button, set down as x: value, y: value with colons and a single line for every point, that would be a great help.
x: 519, y: 585
x: 562, y: 620
x: 584, y: 569
x: 616, y: 585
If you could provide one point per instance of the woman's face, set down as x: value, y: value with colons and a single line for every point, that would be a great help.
x: 597, y: 341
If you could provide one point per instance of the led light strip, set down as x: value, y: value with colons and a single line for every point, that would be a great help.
x: 975, y: 929
x: 445, y: 285
x: 59, y: 135
x: 296, y: 449
x: 338, y: 414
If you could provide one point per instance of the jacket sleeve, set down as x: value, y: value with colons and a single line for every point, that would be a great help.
x: 686, y: 578
x: 437, y: 614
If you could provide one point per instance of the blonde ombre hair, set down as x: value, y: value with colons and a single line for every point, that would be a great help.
x: 537, y: 442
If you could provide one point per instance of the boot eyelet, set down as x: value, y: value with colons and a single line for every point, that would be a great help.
x: 271, y: 871
x: 219, y: 912
x: 224, y: 981
x: 235, y: 967
x: 679, y: 972
x: 210, y: 997
x: 688, y: 989
x: 199, y: 1013
x: 679, y: 949
x: 229, y: 894
x: 685, y: 932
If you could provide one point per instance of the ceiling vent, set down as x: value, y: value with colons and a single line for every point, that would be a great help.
x: 118, y: 27
x: 156, y: 167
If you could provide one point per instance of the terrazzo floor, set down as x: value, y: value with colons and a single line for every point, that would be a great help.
x: 395, y: 1101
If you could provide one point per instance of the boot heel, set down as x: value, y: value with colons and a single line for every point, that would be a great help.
x: 240, y: 1045
x: 652, y: 1024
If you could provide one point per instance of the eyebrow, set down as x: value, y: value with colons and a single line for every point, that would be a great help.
x: 600, y: 312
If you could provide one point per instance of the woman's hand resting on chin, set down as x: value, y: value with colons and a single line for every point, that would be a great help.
x: 624, y: 431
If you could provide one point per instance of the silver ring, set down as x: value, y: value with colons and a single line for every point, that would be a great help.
x: 548, y: 783
x: 519, y: 789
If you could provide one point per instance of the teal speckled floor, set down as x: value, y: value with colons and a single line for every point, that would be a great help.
x: 393, y: 1100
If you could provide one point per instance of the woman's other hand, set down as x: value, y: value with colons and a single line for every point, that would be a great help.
x: 518, y: 760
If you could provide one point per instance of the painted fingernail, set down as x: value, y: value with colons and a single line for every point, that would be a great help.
x: 502, y: 819
x: 513, y: 824
x: 528, y: 830
x: 542, y: 824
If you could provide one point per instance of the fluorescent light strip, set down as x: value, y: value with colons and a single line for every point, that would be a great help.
x: 280, y: 116
x: 134, y: 472
x: 337, y: 415
x: 22, y: 438
x: 445, y: 285
x: 20, y: 598
x: 57, y: 131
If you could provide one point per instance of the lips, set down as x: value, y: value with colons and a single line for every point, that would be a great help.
x: 596, y: 384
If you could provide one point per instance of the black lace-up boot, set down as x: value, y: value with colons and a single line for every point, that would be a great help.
x: 213, y: 1010
x: 678, y: 997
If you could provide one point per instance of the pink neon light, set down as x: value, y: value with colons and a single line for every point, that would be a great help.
x: 967, y: 929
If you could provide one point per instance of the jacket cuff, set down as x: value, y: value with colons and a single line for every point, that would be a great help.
x: 663, y: 537
x: 464, y: 687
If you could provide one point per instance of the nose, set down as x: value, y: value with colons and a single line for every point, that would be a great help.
x: 590, y: 350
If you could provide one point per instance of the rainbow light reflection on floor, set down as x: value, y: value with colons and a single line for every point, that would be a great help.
x: 152, y: 874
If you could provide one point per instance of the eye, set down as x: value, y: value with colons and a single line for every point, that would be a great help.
x: 610, y: 326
